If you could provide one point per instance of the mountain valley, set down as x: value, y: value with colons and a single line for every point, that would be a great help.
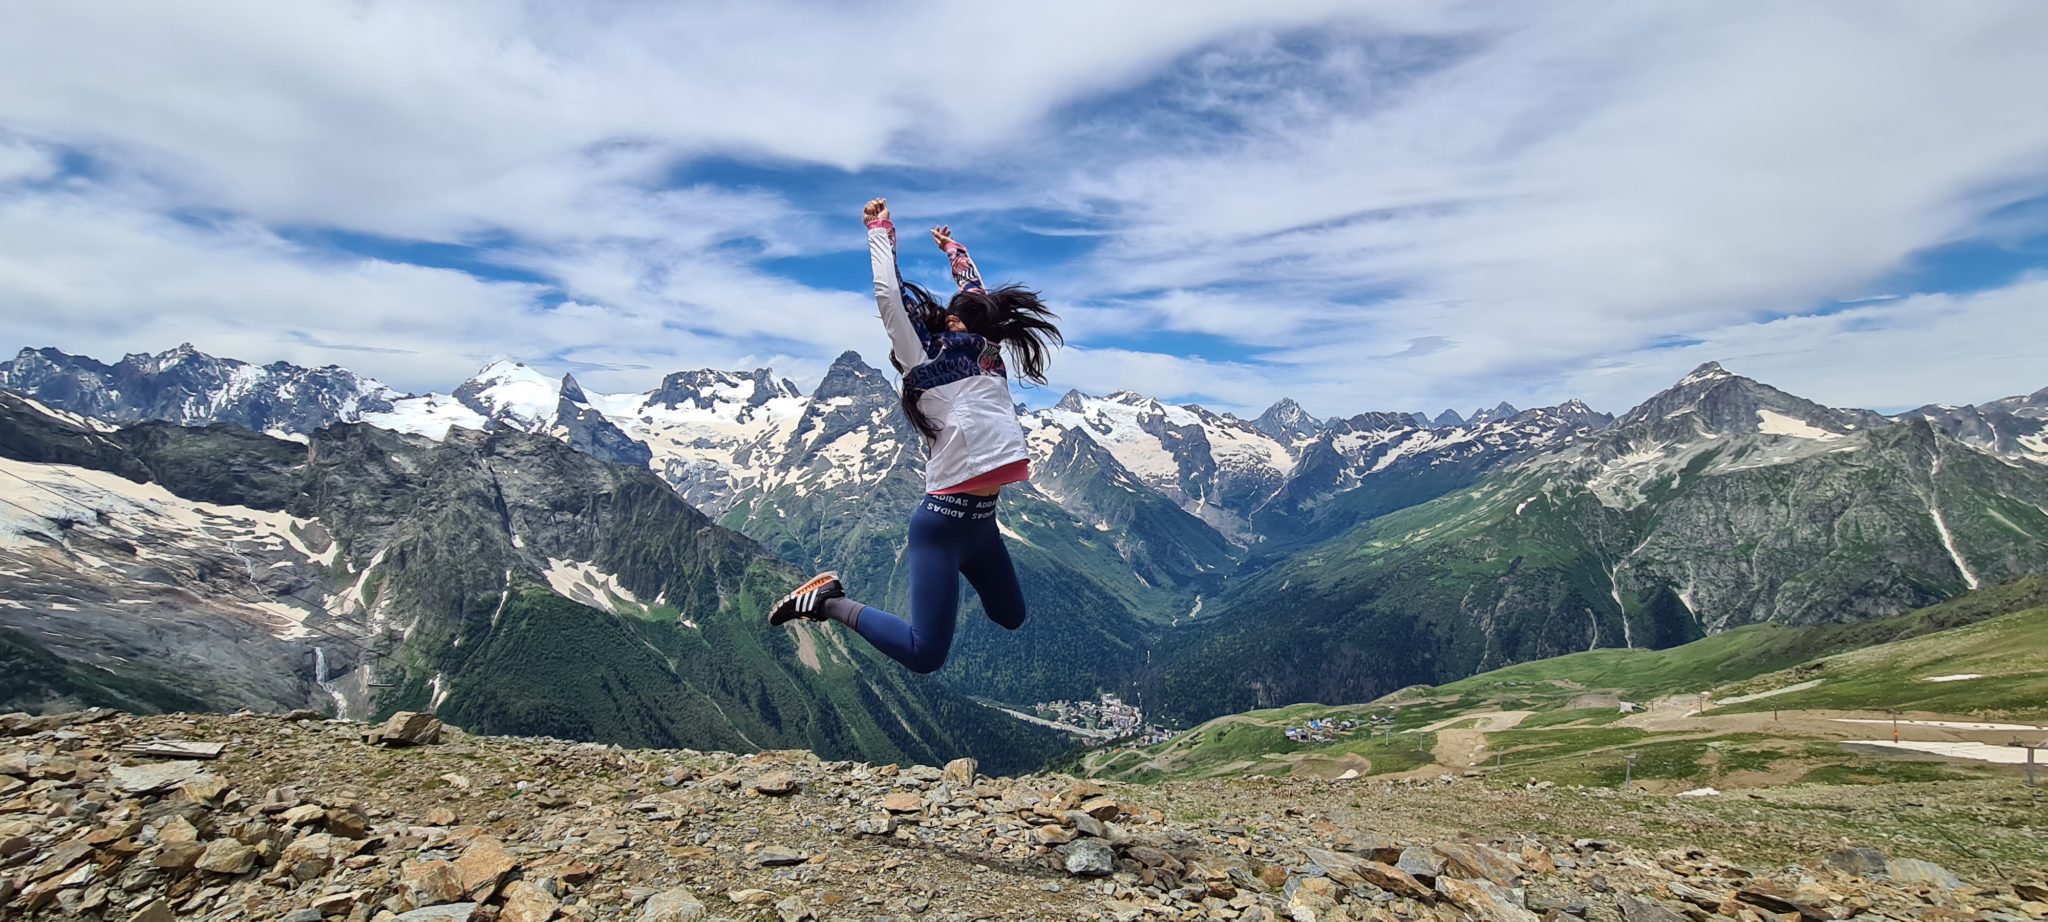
x: 1194, y: 561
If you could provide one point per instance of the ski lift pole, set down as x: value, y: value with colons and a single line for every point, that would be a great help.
x: 1628, y: 770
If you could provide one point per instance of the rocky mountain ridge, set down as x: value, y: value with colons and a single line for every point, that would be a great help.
x: 189, y: 387
x: 715, y: 435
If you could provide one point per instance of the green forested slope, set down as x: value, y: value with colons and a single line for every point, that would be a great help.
x: 1543, y: 559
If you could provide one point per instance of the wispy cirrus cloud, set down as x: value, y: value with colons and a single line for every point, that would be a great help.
x: 1571, y: 183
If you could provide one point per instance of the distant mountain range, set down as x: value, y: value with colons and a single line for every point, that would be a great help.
x: 1717, y: 503
x: 1214, y: 563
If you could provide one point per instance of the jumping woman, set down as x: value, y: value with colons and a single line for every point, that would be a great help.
x: 956, y: 391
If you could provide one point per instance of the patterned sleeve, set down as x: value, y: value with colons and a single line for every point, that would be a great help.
x: 965, y: 273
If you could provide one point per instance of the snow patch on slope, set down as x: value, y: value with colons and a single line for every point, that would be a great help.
x: 1947, y: 540
x: 585, y: 584
x: 39, y: 502
x: 39, y: 496
x: 1771, y: 422
x: 82, y: 422
x: 431, y: 415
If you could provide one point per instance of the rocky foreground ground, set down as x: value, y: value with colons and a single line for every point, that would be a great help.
x: 306, y: 819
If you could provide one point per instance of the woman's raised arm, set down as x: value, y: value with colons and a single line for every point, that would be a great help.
x: 906, y: 334
x: 965, y: 273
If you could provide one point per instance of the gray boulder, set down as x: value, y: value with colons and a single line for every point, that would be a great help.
x: 676, y: 905
x: 409, y: 728
x: 1088, y: 858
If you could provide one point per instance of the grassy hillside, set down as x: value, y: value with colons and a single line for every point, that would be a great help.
x: 1558, y: 719
x: 1736, y: 656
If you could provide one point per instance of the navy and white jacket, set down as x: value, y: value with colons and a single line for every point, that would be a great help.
x: 966, y: 389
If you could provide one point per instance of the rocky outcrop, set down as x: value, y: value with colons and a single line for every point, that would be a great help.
x: 591, y: 432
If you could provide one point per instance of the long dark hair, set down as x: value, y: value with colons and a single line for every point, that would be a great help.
x: 1012, y: 316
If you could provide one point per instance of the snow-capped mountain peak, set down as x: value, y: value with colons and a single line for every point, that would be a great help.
x: 1710, y: 371
x: 513, y: 393
x: 707, y: 388
x: 1712, y: 402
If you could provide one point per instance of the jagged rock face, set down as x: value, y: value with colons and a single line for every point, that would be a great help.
x: 591, y: 432
x: 1448, y: 419
x: 852, y: 397
x: 1570, y: 414
x: 1375, y: 463
x: 1500, y: 411
x: 1286, y: 421
x: 1162, y: 545
x: 1287, y: 478
x: 1215, y: 466
x: 188, y: 387
x: 511, y: 395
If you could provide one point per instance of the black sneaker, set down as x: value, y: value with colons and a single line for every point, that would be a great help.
x: 808, y: 600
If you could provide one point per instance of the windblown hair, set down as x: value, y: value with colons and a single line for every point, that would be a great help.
x: 1011, y: 316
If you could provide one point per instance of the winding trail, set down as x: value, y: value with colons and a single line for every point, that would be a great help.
x: 1463, y: 748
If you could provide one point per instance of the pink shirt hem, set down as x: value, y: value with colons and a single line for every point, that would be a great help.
x: 1013, y: 472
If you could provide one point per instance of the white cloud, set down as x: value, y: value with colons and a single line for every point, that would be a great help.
x: 1383, y: 205
x: 1573, y: 181
x: 1892, y: 354
x: 21, y: 161
x: 437, y: 121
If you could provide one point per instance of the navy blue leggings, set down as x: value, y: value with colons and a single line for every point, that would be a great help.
x: 950, y: 537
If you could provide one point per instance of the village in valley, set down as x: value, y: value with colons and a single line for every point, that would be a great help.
x: 1330, y: 729
x: 1107, y: 717
x: 1111, y: 718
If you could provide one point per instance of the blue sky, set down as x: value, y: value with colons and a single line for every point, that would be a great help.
x: 1359, y: 205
